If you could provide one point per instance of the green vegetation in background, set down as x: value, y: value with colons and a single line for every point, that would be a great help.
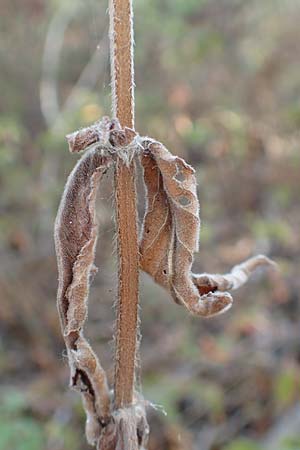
x: 17, y: 430
x: 243, y: 444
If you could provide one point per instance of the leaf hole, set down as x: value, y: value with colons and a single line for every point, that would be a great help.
x: 184, y: 201
x: 180, y: 176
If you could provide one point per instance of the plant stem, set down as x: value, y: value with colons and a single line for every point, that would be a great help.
x: 121, y: 39
x: 121, y: 53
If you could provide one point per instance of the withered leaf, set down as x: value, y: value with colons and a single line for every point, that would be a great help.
x: 75, y: 239
x: 96, y: 134
x: 170, y: 235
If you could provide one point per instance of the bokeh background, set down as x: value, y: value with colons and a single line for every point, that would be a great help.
x: 218, y: 81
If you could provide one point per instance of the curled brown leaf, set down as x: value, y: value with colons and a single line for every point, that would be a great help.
x: 75, y: 239
x: 95, y: 134
x: 170, y: 235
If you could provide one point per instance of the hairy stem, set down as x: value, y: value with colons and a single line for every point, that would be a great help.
x: 121, y: 39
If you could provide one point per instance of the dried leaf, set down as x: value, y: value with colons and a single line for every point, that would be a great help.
x: 75, y: 239
x: 170, y: 235
x: 95, y: 134
x: 238, y: 276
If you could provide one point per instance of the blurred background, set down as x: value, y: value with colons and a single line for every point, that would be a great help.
x: 219, y: 83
